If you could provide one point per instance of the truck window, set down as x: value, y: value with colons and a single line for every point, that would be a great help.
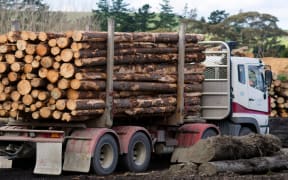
x: 241, y: 74
x: 256, y: 79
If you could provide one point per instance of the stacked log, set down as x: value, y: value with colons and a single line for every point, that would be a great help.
x: 279, y: 98
x: 62, y: 76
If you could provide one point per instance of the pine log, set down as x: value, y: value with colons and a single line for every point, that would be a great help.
x: 35, y: 93
x: 43, y: 95
x: 52, y: 76
x: 24, y: 87
x: 61, y: 104
x: 76, y: 94
x: 245, y: 166
x: 5, y: 81
x: 88, y: 112
x: 21, y: 44
x: 132, y: 86
x: 144, y: 102
x: 67, y: 70
x: 37, y: 82
x: 57, y: 115
x: 42, y: 49
x: 3, y: 96
x: 15, y: 96
x: 35, y: 64
x: 56, y: 93
x: 159, y: 68
x: 63, y: 42
x: 13, y: 76
x: 42, y: 73
x: 36, y: 115
x: 150, y: 110
x: 52, y: 42
x: 55, y: 50
x: 4, y: 67
x: 27, y: 68
x: 16, y: 66
x: 30, y: 49
x: 140, y: 59
x: 44, y: 36
x: 134, y: 37
x: 10, y: 58
x: 2, y: 87
x: 32, y: 36
x: 28, y: 58
x: 133, y: 51
x: 46, y: 62
x: 45, y: 112
x: 13, y: 36
x: 27, y: 99
x: 19, y: 54
x: 3, y: 38
x: 228, y: 148
x: 84, y: 104
x: 66, y: 55
x: 7, y: 48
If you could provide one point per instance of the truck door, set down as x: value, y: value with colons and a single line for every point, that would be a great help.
x: 257, y: 97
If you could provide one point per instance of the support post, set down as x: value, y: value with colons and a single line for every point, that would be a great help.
x: 178, y: 116
x: 106, y: 120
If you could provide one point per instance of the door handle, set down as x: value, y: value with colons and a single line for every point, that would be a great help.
x: 250, y: 99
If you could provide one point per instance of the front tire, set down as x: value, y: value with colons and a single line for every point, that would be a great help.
x: 105, y: 157
x: 139, y: 153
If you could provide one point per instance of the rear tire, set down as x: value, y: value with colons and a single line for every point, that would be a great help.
x: 139, y: 153
x: 105, y: 157
x: 245, y: 131
x: 209, y: 133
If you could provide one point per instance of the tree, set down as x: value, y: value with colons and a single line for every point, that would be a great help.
x: 217, y: 16
x: 145, y: 20
x: 167, y: 17
x: 250, y: 29
x: 102, y: 13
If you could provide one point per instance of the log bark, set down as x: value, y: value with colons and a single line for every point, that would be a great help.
x: 84, y: 104
x: 144, y: 102
x: 150, y: 110
x: 228, y: 148
x: 245, y: 166
x: 76, y: 94
x: 90, y: 112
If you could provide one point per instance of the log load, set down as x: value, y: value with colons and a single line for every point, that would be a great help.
x: 62, y: 76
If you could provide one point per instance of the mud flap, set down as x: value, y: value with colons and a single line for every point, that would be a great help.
x: 77, y: 155
x: 5, y: 163
x: 48, y: 158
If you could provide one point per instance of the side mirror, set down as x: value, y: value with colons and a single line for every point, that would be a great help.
x: 268, y: 77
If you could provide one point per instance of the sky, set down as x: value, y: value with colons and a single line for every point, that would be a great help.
x: 277, y: 8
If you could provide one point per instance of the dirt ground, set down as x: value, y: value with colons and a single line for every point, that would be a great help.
x: 159, y: 170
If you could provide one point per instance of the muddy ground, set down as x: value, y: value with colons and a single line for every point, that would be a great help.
x: 159, y: 170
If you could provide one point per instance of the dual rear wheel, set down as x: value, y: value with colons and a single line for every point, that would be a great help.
x: 105, y: 158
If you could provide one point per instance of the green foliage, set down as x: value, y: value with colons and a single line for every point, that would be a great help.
x: 167, y: 17
x: 145, y: 20
x: 217, y: 16
x: 282, y: 77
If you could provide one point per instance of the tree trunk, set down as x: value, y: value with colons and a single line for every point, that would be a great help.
x: 228, y: 148
x: 245, y: 166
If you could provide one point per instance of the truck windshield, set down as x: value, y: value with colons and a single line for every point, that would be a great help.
x: 256, y: 78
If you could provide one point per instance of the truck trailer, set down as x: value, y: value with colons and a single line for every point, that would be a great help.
x: 234, y: 101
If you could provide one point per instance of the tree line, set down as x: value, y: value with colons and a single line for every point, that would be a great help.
x: 258, y: 31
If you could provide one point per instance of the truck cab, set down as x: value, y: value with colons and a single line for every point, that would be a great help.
x: 235, y: 94
x: 250, y: 100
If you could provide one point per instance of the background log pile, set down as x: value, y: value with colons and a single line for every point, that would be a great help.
x: 279, y: 98
x: 62, y: 76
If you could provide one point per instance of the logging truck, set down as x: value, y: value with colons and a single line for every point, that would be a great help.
x: 233, y: 100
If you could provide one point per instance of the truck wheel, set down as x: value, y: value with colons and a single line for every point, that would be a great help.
x: 209, y: 133
x: 105, y: 157
x: 245, y: 131
x: 139, y: 153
